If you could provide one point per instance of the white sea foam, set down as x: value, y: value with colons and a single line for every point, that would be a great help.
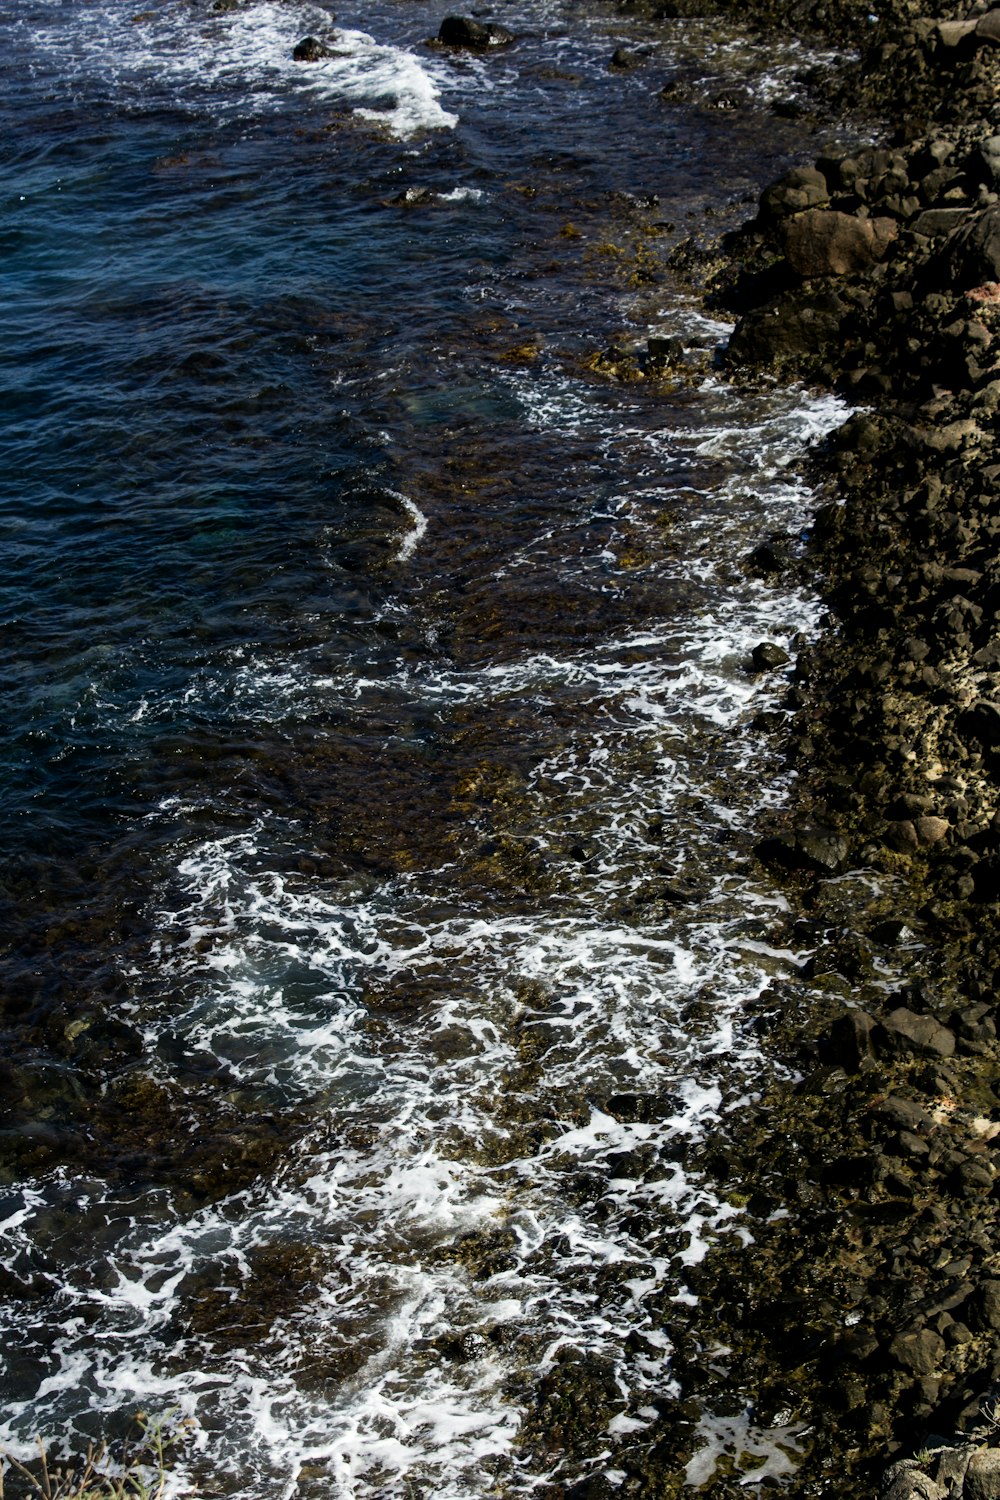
x: 411, y: 541
x: 241, y: 62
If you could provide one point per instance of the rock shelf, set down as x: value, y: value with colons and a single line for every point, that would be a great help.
x: 873, y: 1317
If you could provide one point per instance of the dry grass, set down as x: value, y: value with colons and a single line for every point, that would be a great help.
x: 140, y: 1473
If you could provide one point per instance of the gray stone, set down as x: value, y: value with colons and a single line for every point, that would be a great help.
x: 951, y: 1466
x: 913, y: 1484
x: 907, y: 1114
x: 822, y: 847
x: 823, y: 242
x: 982, y: 1477
x: 907, y: 1034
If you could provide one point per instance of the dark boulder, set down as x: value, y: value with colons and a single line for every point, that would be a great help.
x: 311, y: 49
x: 624, y: 61
x: 795, y: 326
x: 463, y: 31
x: 981, y: 722
x: 767, y: 657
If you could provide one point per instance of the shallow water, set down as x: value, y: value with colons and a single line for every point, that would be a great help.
x: 379, y: 782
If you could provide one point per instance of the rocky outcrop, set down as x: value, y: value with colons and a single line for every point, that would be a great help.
x: 477, y: 36
x: 875, y: 1177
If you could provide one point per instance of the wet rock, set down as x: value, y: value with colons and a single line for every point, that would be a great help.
x: 982, y: 1477
x: 823, y: 848
x: 797, y: 325
x: 767, y: 657
x: 665, y: 351
x: 828, y: 243
x: 624, y: 61
x: 905, y: 1034
x: 463, y: 31
x: 919, y: 1352
x: 311, y: 50
x: 772, y: 556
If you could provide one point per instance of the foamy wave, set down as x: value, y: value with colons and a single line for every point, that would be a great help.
x: 241, y: 62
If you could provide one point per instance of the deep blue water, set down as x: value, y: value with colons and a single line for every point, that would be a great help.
x: 366, y: 656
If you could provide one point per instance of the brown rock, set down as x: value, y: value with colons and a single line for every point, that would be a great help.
x: 931, y: 830
x: 953, y: 33
x: 803, y: 187
x: 974, y: 256
x: 823, y: 242
x: 918, y: 1352
x: 988, y: 28
x: 901, y: 835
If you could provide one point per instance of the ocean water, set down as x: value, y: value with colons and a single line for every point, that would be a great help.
x: 379, y: 913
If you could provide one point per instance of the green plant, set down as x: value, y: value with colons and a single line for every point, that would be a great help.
x: 140, y: 1473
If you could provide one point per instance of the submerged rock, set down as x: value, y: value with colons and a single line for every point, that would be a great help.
x: 768, y: 656
x: 463, y: 31
x: 624, y: 61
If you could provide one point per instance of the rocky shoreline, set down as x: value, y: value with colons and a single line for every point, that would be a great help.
x: 867, y: 1311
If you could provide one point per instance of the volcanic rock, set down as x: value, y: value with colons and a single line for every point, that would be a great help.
x: 311, y: 49
x: 903, y: 1033
x: 823, y: 242
x: 463, y: 31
